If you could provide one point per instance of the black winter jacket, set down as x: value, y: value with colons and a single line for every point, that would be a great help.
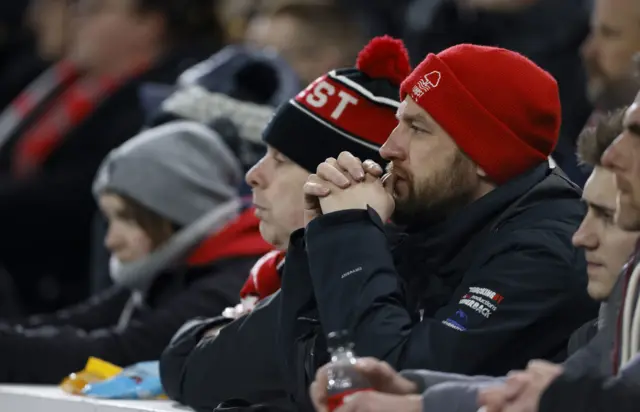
x: 44, y: 349
x: 237, y: 367
x: 480, y: 293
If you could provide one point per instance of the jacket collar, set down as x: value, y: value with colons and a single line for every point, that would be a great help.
x: 440, y: 242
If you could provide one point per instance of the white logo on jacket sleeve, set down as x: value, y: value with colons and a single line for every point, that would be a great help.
x: 482, y: 300
x: 478, y: 307
x: 496, y: 297
x: 351, y: 272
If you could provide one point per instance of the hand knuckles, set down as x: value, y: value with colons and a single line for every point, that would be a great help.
x: 321, y: 167
x: 346, y: 159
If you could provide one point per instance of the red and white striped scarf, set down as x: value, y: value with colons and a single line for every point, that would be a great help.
x: 49, y: 108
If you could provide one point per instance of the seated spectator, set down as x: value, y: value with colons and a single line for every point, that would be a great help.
x: 607, y: 58
x: 52, y: 24
x: 55, y: 133
x: 235, y: 92
x: 590, y: 393
x: 164, y: 193
x: 546, y: 31
x: 607, y: 248
x: 483, y: 277
x: 241, y: 363
x: 314, y: 37
x: 545, y: 388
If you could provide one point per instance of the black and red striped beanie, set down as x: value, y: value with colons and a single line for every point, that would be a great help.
x: 351, y: 109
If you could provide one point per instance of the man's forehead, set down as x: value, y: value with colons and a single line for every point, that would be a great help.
x: 632, y: 115
x: 410, y: 109
x: 608, y: 9
x: 600, y: 189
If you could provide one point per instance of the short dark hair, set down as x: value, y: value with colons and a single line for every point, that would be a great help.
x: 594, y: 141
x: 158, y: 228
x: 187, y: 20
x: 329, y: 22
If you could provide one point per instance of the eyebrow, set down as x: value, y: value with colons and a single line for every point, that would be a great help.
x: 414, y: 118
x: 633, y: 128
x: 606, y: 28
x: 600, y: 208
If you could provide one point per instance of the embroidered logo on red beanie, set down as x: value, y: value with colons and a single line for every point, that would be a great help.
x: 500, y: 108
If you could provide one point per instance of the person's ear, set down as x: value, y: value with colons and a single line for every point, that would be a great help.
x: 480, y: 172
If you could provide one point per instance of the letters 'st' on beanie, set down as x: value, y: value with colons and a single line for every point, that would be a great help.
x: 500, y: 108
x: 345, y: 110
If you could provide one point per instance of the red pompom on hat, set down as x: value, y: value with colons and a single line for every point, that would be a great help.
x: 502, y: 110
x: 385, y: 58
x: 350, y: 109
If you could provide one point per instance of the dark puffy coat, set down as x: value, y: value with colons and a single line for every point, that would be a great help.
x: 239, y: 367
x: 480, y: 293
x: 45, y: 349
x: 515, y: 242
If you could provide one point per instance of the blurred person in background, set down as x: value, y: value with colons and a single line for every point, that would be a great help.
x: 609, y: 52
x: 313, y: 36
x: 234, y: 92
x: 19, y: 63
x: 234, y: 16
x: 52, y: 24
x: 548, y: 388
x: 549, y: 32
x: 55, y: 133
x: 182, y: 243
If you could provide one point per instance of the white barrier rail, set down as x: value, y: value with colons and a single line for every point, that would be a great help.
x: 33, y: 398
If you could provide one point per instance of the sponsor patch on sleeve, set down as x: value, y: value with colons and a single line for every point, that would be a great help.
x: 482, y: 300
x: 458, y: 321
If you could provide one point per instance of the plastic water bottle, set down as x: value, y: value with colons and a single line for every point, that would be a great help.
x: 344, y: 380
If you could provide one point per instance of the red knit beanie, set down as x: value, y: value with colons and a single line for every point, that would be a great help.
x: 500, y: 108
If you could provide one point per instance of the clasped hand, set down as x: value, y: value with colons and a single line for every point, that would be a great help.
x: 522, y: 390
x: 348, y: 183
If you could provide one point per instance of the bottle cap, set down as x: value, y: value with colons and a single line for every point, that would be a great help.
x: 338, y: 339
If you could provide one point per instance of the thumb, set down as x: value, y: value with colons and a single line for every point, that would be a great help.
x: 389, y: 183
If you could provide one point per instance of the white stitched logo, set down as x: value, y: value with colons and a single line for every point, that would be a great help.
x: 351, y: 272
x: 429, y: 81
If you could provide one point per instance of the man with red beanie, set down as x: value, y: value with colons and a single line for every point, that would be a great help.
x: 479, y: 274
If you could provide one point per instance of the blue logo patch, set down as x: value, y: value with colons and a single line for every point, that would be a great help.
x: 462, y: 316
x: 455, y: 325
